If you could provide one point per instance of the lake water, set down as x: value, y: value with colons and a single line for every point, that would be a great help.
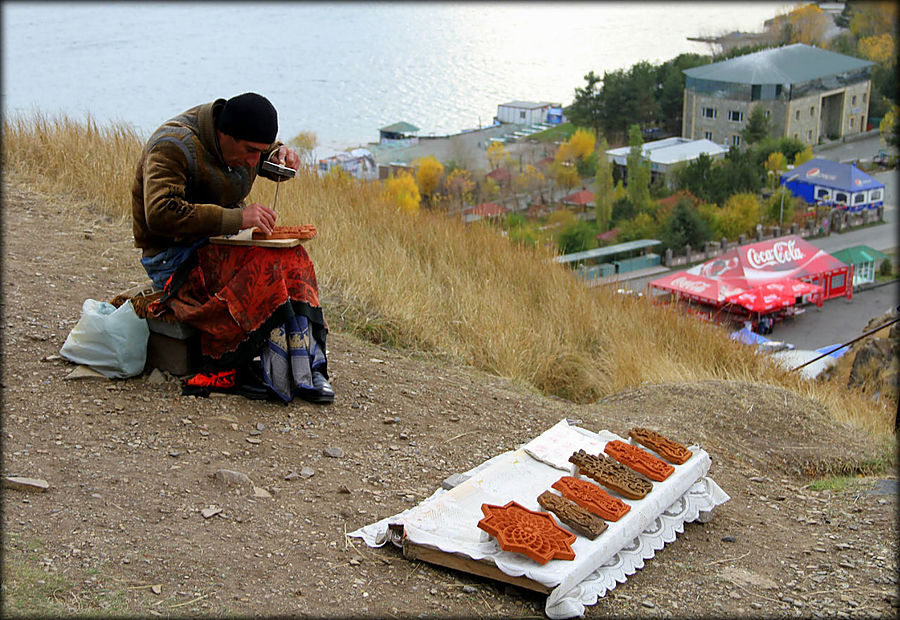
x: 340, y: 70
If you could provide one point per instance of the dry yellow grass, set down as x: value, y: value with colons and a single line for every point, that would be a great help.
x: 432, y: 284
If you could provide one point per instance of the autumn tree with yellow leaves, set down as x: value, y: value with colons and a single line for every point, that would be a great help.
x: 459, y: 186
x: 428, y: 176
x: 805, y: 24
x: 402, y: 191
x: 496, y: 153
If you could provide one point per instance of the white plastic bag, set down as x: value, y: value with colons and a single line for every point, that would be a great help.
x: 112, y: 341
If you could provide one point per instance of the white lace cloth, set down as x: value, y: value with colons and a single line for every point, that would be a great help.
x: 448, y: 519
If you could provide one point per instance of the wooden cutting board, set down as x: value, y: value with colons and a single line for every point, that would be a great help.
x: 245, y: 237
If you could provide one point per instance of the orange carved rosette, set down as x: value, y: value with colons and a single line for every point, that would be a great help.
x: 529, y: 532
x: 591, y: 497
x: 639, y: 460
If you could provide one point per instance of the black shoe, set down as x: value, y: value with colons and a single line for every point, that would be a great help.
x: 250, y: 384
x: 322, y: 392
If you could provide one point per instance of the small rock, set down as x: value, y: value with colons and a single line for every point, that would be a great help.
x: 20, y: 483
x: 291, y: 475
x: 390, y: 420
x: 156, y: 589
x: 333, y: 452
x: 253, y: 440
x: 83, y: 372
x: 233, y: 478
x: 175, y: 453
x: 307, y: 472
x: 375, y: 360
x: 51, y: 358
x: 210, y: 512
x: 260, y: 426
x: 354, y: 562
x: 343, y: 489
x: 648, y: 604
x: 156, y: 377
x: 255, y: 433
x: 469, y: 589
x: 454, y: 418
x: 261, y: 493
x: 729, y: 539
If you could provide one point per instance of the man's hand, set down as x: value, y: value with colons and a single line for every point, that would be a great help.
x: 286, y: 156
x: 260, y: 216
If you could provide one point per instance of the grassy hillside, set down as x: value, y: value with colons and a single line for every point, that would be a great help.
x: 431, y: 284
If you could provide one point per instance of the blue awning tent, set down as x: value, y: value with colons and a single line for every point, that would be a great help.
x: 834, y: 184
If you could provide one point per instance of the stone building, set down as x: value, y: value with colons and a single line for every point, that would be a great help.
x: 808, y: 94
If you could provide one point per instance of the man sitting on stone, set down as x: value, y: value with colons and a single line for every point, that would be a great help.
x: 257, y: 309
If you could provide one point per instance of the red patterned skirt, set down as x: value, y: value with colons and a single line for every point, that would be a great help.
x: 235, y: 295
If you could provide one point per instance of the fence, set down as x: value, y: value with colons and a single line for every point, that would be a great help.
x: 837, y: 220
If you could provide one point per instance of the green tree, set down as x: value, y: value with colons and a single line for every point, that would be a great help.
x: 670, y: 80
x: 695, y: 176
x: 603, y: 187
x: 586, y: 109
x: 642, y: 226
x: 684, y: 226
x: 622, y: 211
x: 757, y: 126
x: 577, y: 236
x: 889, y: 127
x: 739, y: 216
x: 638, y: 185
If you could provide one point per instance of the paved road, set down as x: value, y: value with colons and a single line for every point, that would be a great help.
x: 838, y: 320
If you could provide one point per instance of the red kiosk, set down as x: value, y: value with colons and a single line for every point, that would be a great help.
x: 765, y: 278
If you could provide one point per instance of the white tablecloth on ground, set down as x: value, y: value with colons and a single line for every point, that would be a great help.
x: 448, y: 519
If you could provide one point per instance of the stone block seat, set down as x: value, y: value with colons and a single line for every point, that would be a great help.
x: 172, y: 347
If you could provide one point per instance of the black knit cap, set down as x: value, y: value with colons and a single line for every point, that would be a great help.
x: 249, y: 117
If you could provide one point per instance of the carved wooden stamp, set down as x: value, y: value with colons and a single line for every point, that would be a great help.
x: 573, y: 515
x: 671, y: 451
x: 588, y: 495
x: 639, y: 460
x: 612, y: 475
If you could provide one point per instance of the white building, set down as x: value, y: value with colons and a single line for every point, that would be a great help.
x: 525, y: 112
x: 665, y: 154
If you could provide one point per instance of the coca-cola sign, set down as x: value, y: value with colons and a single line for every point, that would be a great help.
x: 781, y: 253
x: 691, y: 286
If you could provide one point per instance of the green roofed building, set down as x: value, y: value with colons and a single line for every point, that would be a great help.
x: 807, y: 93
x: 398, y: 131
x: 865, y: 262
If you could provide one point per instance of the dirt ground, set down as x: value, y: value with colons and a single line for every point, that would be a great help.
x: 130, y: 467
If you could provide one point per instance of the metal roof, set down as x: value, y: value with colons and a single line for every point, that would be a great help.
x: 528, y: 105
x: 628, y: 246
x: 791, y: 64
x: 401, y: 127
x: 669, y: 150
x: 858, y: 254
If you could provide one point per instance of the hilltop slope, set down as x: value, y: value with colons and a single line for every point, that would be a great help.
x: 129, y: 465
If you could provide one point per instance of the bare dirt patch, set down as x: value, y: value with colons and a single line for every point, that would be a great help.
x: 130, y: 466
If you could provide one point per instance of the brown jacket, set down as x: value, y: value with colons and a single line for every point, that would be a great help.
x: 183, y: 190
